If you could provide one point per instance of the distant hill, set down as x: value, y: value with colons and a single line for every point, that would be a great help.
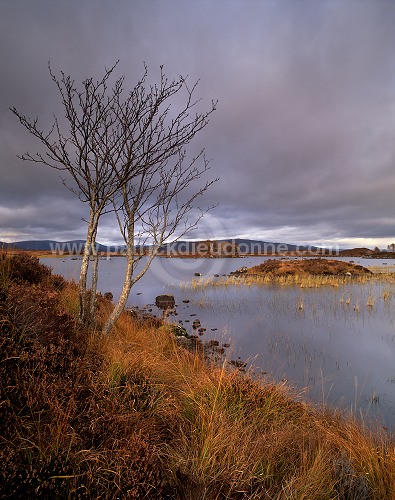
x: 223, y: 246
x: 277, y: 247
x: 244, y: 246
x: 356, y: 252
x: 72, y: 246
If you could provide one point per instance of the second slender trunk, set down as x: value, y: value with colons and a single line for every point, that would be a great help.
x: 120, y: 305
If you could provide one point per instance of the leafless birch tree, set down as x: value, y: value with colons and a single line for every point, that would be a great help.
x: 82, y: 145
x: 158, y: 199
x: 121, y: 150
x: 154, y: 205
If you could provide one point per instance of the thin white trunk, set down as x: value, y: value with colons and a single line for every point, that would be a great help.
x: 120, y: 305
x: 95, y: 278
x: 129, y: 281
x: 83, y: 291
x: 93, y: 291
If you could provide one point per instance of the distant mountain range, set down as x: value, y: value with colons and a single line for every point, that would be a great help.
x: 181, y: 246
x: 51, y: 245
x: 204, y: 248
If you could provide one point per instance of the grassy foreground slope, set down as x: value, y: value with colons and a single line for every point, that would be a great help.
x: 133, y: 415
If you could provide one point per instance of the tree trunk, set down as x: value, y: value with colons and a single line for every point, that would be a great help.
x: 127, y: 285
x: 83, y: 291
x: 129, y: 281
x: 95, y: 278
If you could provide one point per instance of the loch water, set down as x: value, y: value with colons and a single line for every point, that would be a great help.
x: 334, y: 344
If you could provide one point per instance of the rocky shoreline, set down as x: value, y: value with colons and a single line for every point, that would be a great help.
x: 212, y: 350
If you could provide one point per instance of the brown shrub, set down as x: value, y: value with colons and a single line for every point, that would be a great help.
x: 25, y: 267
x: 68, y: 432
x: 132, y: 471
x: 34, y: 311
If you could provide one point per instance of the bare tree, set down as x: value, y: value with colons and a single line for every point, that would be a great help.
x: 154, y: 206
x: 391, y: 247
x: 158, y: 199
x: 82, y: 146
x: 110, y: 141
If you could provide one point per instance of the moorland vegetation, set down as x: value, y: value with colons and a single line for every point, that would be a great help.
x: 132, y: 415
x: 311, y: 267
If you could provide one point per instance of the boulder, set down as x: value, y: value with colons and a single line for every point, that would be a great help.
x: 165, y: 302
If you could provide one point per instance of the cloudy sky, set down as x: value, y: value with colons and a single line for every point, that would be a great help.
x: 303, y: 139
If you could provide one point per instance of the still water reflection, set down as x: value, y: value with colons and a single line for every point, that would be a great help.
x: 336, y: 343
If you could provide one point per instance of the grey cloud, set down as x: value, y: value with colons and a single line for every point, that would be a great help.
x: 303, y: 139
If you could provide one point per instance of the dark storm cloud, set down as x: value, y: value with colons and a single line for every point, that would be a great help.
x: 303, y: 139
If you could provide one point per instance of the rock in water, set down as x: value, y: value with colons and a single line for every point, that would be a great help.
x: 165, y: 302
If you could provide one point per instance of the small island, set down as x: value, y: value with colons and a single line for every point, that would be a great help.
x: 305, y: 267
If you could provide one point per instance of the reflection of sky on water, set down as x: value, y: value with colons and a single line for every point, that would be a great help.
x: 342, y: 354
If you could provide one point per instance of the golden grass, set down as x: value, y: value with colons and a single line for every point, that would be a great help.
x: 133, y: 415
x: 235, y: 437
x: 300, y: 280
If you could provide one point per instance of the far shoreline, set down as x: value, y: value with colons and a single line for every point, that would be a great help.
x: 178, y: 255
